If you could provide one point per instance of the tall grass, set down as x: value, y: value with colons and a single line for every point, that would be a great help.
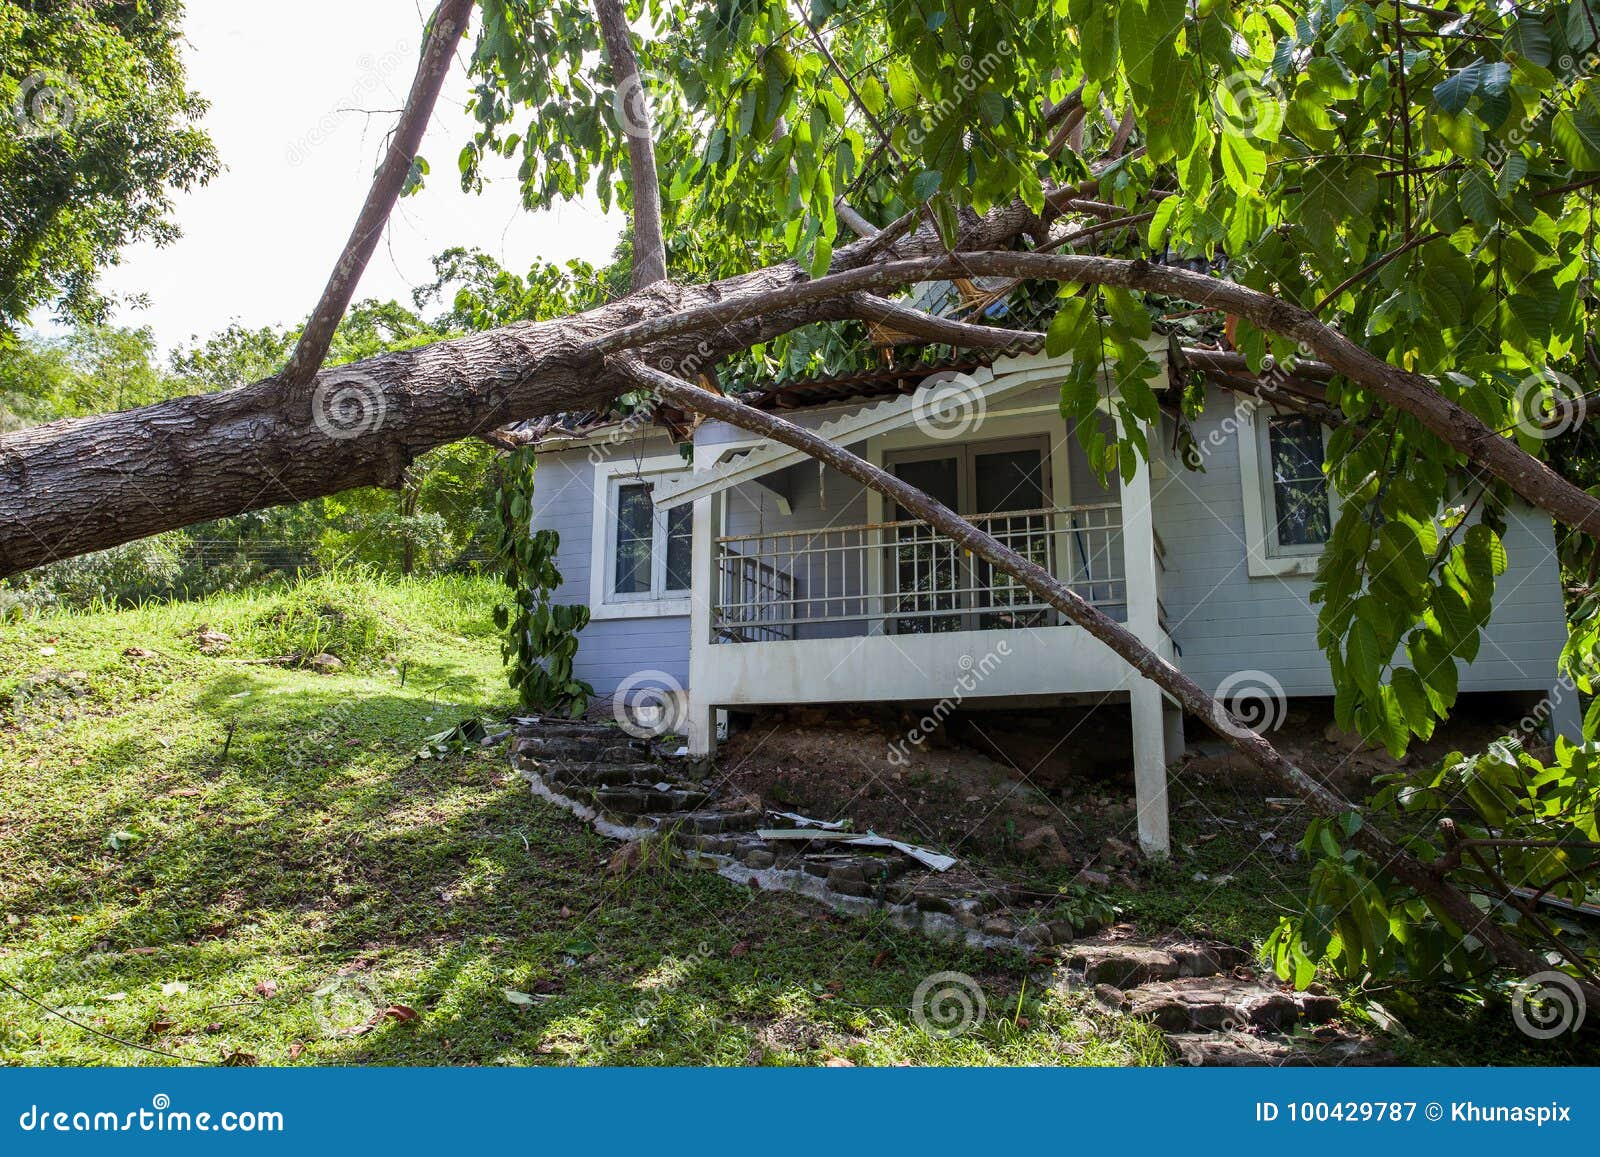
x: 358, y: 616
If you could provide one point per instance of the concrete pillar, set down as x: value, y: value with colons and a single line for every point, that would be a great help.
x: 1172, y: 718
x: 1151, y: 727
x: 701, y: 723
x: 1150, y: 766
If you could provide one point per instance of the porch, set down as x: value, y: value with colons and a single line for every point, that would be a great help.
x: 803, y: 599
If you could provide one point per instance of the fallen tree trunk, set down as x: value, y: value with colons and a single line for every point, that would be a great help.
x: 67, y: 488
x: 1193, y: 698
x: 85, y: 484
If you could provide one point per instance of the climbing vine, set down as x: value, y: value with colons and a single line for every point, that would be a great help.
x: 541, y: 637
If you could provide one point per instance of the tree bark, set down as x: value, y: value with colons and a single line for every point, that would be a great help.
x: 448, y: 26
x: 1388, y: 855
x: 931, y: 327
x: 85, y: 484
x: 70, y: 487
x: 633, y: 109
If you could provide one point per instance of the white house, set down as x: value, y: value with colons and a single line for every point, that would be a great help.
x: 752, y: 576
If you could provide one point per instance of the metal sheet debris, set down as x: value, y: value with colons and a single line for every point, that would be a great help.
x: 937, y: 861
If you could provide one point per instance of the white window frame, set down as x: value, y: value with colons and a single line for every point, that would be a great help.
x: 1265, y: 556
x: 604, y: 601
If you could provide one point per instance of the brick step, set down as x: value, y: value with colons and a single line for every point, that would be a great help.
x: 614, y: 748
x: 1255, y: 1050
x: 571, y: 728
x: 706, y: 823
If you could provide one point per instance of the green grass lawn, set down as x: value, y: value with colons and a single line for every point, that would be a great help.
x: 217, y: 859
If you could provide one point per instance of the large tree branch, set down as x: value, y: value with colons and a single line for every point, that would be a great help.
x: 1412, y: 393
x: 1389, y: 856
x: 448, y: 26
x: 70, y: 487
x: 930, y: 327
x: 633, y: 109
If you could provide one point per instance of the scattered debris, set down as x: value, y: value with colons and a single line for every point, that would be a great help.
x: 469, y: 733
x: 935, y: 860
x: 210, y: 642
x: 1044, y: 844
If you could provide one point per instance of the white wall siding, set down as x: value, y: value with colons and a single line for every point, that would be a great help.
x: 609, y: 650
x: 1225, y: 621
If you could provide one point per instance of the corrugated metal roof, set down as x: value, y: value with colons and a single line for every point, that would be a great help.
x: 911, y: 365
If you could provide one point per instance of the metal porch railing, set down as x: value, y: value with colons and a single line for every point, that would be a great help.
x: 906, y: 578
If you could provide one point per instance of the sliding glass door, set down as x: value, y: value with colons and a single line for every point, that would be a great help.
x: 936, y: 586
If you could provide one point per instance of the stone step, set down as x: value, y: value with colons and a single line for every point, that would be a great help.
x: 1128, y: 965
x: 615, y: 748
x: 1209, y: 1003
x: 571, y: 728
x: 598, y: 774
x: 706, y: 823
x: 634, y: 800
x: 1255, y: 1050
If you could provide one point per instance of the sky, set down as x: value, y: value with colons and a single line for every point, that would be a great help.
x: 290, y: 87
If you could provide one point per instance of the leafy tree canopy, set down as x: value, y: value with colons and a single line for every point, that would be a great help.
x: 96, y: 131
x: 1421, y: 174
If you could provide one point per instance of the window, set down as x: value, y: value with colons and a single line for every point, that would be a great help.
x: 1288, y: 508
x: 1301, y: 516
x: 649, y: 549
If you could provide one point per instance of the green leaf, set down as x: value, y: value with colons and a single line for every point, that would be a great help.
x: 1070, y: 319
x: 1097, y: 42
x: 1478, y: 197
x: 871, y: 92
x: 1577, y: 132
x: 1453, y: 93
x: 902, y: 86
x: 1528, y: 39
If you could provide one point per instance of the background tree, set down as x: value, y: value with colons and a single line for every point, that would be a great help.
x: 97, y: 129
